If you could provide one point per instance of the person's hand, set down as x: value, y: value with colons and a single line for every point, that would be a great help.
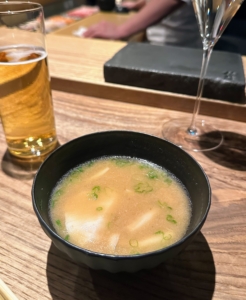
x: 104, y: 30
x: 129, y: 4
x: 133, y: 5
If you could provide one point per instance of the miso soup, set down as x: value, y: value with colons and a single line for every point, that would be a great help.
x: 120, y: 206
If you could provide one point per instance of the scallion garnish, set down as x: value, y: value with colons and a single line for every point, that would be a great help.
x: 152, y: 174
x: 159, y: 232
x: 143, y: 188
x: 58, y: 222
x: 167, y: 237
x: 143, y: 166
x: 133, y: 243
x: 171, y: 219
x: 164, y: 205
x: 53, y: 202
x: 55, y: 196
x: 75, y: 172
x: 161, y: 204
x: 121, y: 162
x: 89, y: 164
x: 109, y: 225
x: 58, y: 193
x: 167, y: 178
x: 99, y: 208
x: 95, y: 190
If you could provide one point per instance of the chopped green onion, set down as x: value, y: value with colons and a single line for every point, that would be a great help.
x: 76, y: 171
x: 164, y: 205
x: 167, y: 178
x: 66, y: 237
x: 55, y: 197
x: 99, y: 208
x: 89, y: 164
x: 167, y: 237
x: 143, y: 188
x: 53, y: 202
x: 133, y: 243
x: 121, y: 162
x: 171, y: 219
x: 58, y: 222
x: 161, y: 204
x: 58, y: 193
x: 94, y: 195
x: 144, y: 166
x: 152, y: 174
x: 109, y: 225
x: 95, y: 190
x: 160, y: 232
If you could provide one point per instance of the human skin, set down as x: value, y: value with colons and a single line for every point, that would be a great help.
x: 151, y: 13
x: 134, y: 5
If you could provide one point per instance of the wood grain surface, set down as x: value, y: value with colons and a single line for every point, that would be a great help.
x: 212, y: 267
x: 76, y: 66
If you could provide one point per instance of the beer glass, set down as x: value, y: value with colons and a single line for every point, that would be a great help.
x: 26, y: 107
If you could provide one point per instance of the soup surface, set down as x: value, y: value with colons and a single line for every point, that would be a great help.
x: 121, y: 206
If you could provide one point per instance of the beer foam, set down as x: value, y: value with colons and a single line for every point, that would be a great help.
x: 16, y: 54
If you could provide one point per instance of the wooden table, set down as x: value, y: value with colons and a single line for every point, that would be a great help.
x: 76, y: 65
x: 212, y: 267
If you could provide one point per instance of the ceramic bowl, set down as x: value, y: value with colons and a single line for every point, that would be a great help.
x: 121, y: 143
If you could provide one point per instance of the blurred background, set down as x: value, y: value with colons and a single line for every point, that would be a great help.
x: 60, y: 13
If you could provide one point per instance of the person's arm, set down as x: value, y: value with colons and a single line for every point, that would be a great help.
x: 134, y: 5
x: 151, y: 13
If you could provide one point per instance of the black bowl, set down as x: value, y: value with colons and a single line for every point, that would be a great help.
x: 121, y: 143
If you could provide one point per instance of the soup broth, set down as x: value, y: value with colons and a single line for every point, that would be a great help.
x: 120, y: 206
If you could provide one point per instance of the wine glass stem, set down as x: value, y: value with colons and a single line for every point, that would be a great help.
x: 192, y: 130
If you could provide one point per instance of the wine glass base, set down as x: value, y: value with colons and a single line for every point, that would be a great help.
x: 206, y: 137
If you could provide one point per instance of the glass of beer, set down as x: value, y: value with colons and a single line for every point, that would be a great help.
x: 26, y: 107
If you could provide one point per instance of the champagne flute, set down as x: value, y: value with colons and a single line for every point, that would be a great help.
x: 213, y: 16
